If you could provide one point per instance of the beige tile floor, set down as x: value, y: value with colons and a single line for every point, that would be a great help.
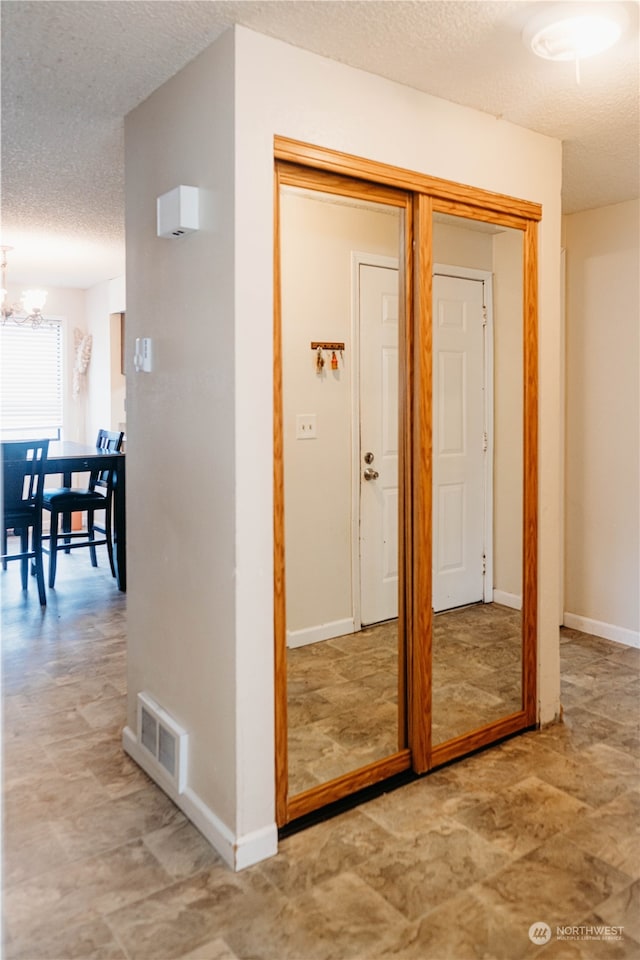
x: 98, y: 863
x: 343, y: 693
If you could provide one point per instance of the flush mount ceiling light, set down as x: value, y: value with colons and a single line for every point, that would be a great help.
x: 574, y: 33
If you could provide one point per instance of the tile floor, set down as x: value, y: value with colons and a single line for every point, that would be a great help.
x: 98, y: 863
x: 343, y: 693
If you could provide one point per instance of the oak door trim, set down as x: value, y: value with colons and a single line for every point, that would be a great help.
x: 279, y: 584
x: 530, y: 473
x: 483, y: 736
x: 348, y: 783
x: 322, y: 181
x: 405, y: 508
x: 482, y: 214
x: 420, y: 646
x: 335, y: 161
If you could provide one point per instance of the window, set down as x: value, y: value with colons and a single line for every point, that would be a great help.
x: 31, y: 384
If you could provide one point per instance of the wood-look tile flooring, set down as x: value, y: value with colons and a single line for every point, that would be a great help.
x: 98, y: 863
x: 343, y: 693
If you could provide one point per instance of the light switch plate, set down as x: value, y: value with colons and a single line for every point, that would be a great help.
x: 142, y: 355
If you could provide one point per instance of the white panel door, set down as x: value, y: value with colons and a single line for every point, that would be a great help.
x: 378, y: 361
x: 458, y: 442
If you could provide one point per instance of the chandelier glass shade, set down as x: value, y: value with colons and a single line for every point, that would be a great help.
x: 30, y: 306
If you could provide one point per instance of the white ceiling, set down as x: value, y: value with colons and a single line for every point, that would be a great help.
x: 72, y: 70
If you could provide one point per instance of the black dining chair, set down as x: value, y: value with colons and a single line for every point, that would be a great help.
x: 64, y: 501
x: 22, y: 488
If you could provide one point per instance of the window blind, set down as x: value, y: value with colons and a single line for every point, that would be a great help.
x: 31, y: 385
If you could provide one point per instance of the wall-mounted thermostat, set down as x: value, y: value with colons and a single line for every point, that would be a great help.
x: 178, y: 212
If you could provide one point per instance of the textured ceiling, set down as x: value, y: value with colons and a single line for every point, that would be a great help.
x: 72, y: 70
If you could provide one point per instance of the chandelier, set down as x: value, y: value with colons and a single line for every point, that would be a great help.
x: 29, y: 308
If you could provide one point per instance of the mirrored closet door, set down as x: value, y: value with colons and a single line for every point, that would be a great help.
x: 342, y: 333
x: 405, y: 466
x: 477, y: 474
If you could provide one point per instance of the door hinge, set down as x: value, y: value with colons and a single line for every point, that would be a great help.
x: 484, y: 564
x: 484, y: 316
x: 485, y: 442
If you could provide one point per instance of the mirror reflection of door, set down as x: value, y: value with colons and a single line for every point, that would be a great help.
x: 339, y: 289
x: 477, y: 474
x: 377, y: 314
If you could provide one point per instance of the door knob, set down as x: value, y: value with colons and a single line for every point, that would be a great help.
x: 370, y: 474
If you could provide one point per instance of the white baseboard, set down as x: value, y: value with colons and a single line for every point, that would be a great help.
x: 237, y: 852
x: 323, y: 631
x: 507, y: 599
x: 256, y: 846
x: 631, y: 638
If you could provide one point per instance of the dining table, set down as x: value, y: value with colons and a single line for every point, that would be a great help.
x: 67, y: 457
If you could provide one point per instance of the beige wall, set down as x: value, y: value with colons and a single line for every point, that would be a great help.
x: 461, y: 247
x: 508, y: 412
x: 602, y: 421
x: 117, y: 377
x: 105, y: 384
x: 317, y: 241
x: 201, y: 598
x: 181, y: 452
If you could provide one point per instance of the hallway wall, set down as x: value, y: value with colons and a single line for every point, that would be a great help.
x: 602, y: 530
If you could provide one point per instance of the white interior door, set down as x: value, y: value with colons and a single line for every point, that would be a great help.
x: 378, y: 461
x: 459, y: 442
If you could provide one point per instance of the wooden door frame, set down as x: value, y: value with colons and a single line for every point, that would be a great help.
x: 318, y: 168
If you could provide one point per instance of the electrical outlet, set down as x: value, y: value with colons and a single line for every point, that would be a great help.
x: 306, y: 426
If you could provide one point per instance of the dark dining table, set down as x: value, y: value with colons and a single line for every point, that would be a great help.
x: 67, y: 457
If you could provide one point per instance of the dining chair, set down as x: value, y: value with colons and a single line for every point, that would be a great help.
x: 22, y: 487
x: 65, y: 501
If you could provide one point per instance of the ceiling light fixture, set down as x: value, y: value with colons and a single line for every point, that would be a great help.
x: 31, y: 302
x: 564, y: 34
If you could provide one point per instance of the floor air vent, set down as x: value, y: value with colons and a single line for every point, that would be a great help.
x: 163, y: 740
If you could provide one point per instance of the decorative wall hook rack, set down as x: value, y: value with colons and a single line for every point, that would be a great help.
x: 327, y: 345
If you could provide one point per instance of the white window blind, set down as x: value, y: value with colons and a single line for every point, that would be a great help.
x: 31, y: 386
